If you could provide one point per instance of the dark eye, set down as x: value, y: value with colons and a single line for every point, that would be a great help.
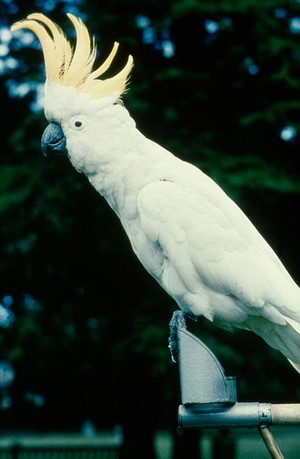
x: 77, y: 123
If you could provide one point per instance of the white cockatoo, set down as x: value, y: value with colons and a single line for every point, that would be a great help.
x: 189, y: 235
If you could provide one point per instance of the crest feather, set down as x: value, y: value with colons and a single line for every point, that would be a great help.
x: 69, y: 67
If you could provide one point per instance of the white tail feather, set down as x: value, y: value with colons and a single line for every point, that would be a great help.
x: 295, y: 365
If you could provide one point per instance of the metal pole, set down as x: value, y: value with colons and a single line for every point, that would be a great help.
x: 270, y: 442
x: 209, y: 396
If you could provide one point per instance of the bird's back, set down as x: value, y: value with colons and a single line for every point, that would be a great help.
x: 210, y: 258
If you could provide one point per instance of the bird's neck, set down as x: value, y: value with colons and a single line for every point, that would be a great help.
x: 118, y: 175
x: 129, y: 162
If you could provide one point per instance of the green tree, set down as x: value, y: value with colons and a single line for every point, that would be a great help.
x: 216, y: 83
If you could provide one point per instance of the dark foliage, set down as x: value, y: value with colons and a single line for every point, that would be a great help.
x: 91, y: 327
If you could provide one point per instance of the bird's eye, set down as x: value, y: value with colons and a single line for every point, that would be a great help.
x: 77, y: 123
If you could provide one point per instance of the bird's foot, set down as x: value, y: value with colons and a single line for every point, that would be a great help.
x: 177, y: 321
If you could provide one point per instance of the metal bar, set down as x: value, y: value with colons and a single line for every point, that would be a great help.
x: 270, y: 442
x: 250, y: 414
x: 209, y: 397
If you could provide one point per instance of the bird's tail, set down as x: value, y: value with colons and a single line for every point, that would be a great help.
x: 284, y: 338
x: 295, y: 365
x: 296, y: 327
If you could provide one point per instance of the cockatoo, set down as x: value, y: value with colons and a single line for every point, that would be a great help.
x: 188, y: 234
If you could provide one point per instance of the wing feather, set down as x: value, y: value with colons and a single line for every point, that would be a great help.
x: 220, y: 264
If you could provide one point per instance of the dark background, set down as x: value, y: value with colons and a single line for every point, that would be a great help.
x: 83, y: 329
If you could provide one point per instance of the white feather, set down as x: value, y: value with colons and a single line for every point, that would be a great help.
x: 192, y: 238
x: 185, y: 230
x: 189, y: 235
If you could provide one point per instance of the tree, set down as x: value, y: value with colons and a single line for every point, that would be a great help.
x: 216, y: 83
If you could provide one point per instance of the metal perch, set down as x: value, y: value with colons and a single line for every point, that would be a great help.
x: 209, y: 397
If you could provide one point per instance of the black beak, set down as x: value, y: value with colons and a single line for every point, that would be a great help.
x: 53, y: 139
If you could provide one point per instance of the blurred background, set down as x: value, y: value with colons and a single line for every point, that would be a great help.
x: 83, y: 328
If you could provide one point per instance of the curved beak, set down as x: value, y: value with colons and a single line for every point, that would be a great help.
x: 53, y: 139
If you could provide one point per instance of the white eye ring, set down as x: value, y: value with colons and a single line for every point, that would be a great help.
x: 77, y: 123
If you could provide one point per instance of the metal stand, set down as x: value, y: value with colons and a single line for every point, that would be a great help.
x: 209, y: 397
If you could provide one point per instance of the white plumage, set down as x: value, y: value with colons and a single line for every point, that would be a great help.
x: 189, y: 235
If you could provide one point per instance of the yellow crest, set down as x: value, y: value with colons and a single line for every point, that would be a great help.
x: 69, y: 67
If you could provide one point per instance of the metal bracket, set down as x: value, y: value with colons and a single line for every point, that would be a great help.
x: 202, y: 378
x: 209, y: 397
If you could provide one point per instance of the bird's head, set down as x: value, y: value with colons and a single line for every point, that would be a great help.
x: 75, y: 95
